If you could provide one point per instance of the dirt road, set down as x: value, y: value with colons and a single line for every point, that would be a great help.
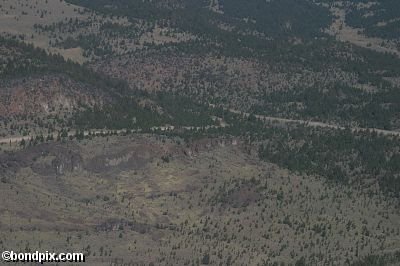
x: 317, y: 124
x: 13, y: 140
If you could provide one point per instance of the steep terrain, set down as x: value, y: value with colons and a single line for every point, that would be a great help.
x: 212, y: 201
x: 209, y: 132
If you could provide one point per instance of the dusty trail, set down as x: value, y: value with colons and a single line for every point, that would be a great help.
x: 264, y: 118
x: 317, y: 124
x: 13, y: 140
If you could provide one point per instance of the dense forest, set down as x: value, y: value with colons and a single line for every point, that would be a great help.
x: 126, y: 113
x: 340, y: 103
x: 279, y: 18
x: 380, y: 19
x: 24, y: 60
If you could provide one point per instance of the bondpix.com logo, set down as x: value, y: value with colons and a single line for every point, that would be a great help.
x: 41, y: 257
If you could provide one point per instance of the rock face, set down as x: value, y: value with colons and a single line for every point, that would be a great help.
x: 45, y: 159
x: 56, y: 158
x: 63, y: 163
x: 44, y: 95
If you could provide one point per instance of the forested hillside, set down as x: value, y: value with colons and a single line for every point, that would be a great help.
x: 201, y: 132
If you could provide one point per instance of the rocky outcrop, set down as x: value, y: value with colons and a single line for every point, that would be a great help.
x: 69, y: 162
x: 44, y: 159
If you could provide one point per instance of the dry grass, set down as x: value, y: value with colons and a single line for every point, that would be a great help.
x: 212, y: 197
x: 346, y: 33
x: 19, y: 17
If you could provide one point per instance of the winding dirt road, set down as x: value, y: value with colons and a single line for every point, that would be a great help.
x: 16, y: 139
x: 317, y: 124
